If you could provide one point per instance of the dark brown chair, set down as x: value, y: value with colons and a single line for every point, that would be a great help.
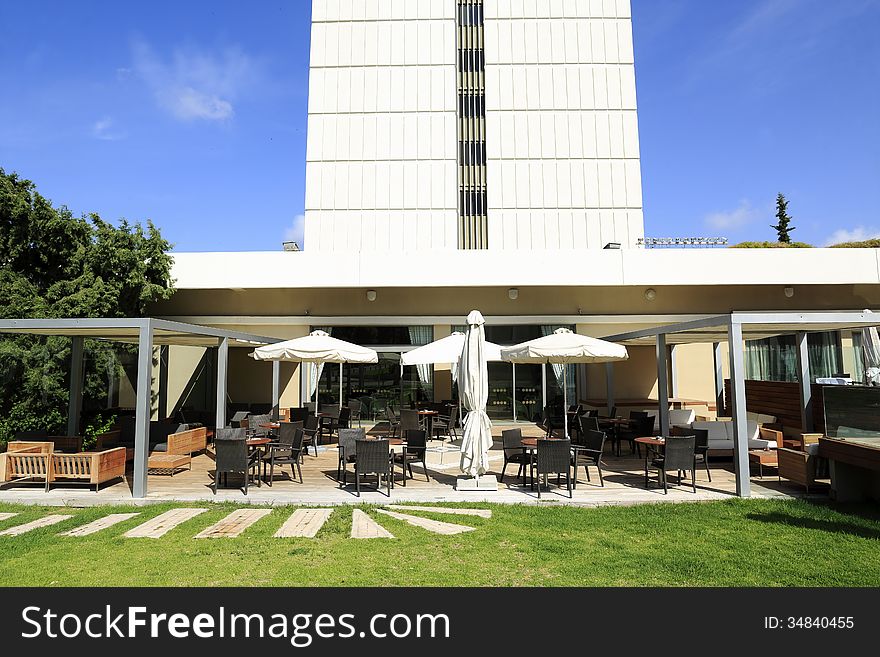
x: 374, y: 457
x: 286, y: 451
x: 554, y: 457
x: 414, y: 452
x: 511, y: 442
x: 678, y: 456
x: 587, y: 452
x: 231, y: 454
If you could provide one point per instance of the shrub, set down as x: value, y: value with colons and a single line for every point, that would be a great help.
x: 772, y: 245
x: 865, y: 244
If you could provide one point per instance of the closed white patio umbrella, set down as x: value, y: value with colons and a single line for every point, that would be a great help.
x: 564, y: 347
x: 473, y: 388
x: 317, y: 347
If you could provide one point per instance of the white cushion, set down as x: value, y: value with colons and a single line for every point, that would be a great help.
x: 760, y: 418
x: 721, y: 435
x: 678, y: 417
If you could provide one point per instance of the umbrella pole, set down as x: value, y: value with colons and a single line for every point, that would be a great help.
x: 565, y: 400
x: 340, y: 386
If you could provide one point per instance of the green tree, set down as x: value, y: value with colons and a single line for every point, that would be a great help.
x: 53, y: 264
x: 783, y: 225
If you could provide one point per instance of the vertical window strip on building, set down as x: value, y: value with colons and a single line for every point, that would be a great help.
x: 472, y: 219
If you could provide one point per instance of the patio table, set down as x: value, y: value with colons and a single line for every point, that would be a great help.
x: 531, y: 445
x: 653, y: 445
x: 428, y: 417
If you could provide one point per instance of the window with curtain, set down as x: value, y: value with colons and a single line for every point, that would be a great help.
x: 775, y: 359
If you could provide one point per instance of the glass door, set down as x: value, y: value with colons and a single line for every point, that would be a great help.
x: 528, y: 392
x: 499, y: 405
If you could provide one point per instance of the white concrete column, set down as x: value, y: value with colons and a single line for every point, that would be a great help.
x: 804, y: 383
x: 222, y: 370
x: 142, y: 409
x: 738, y: 402
x: 719, y: 378
x: 662, y: 385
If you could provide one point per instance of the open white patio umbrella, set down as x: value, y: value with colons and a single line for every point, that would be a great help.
x: 563, y: 347
x: 317, y: 347
x: 871, y: 353
x: 473, y: 389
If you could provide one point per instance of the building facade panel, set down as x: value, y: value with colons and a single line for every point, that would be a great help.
x: 514, y: 118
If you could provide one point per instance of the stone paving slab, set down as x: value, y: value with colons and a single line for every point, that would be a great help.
x: 99, y: 524
x: 234, y: 524
x: 480, y: 513
x: 7, y: 516
x: 34, y: 524
x: 304, y: 523
x: 363, y: 526
x: 163, y: 523
x: 445, y: 528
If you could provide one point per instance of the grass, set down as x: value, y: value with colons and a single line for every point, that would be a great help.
x: 729, y: 543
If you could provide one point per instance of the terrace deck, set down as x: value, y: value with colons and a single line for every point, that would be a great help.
x: 624, y: 484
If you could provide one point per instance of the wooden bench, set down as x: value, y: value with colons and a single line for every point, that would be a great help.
x: 90, y: 468
x: 169, y: 463
x: 28, y: 466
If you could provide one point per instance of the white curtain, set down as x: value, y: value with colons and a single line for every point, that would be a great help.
x: 316, y: 369
x: 419, y: 335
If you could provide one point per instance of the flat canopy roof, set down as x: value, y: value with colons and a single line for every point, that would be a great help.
x: 755, y: 326
x: 165, y: 332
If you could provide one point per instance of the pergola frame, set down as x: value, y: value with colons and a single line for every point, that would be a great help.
x: 146, y: 333
x: 734, y: 328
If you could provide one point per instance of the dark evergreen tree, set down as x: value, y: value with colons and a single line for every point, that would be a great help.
x: 783, y: 225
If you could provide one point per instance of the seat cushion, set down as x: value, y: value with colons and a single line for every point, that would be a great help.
x: 160, y: 447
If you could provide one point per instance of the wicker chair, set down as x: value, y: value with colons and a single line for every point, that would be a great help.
x: 416, y: 447
x: 374, y: 457
x: 254, y: 428
x: 393, y: 422
x: 354, y: 409
x: 341, y: 421
x: 446, y: 425
x: 311, y: 433
x: 232, y: 455
x: 297, y: 414
x: 409, y: 420
x: 678, y: 456
x: 347, y: 451
x: 643, y: 426
x: 701, y: 445
x: 511, y: 441
x: 287, y: 451
x: 588, y: 451
x: 554, y: 457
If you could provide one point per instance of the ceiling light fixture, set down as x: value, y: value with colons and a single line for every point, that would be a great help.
x: 371, y: 295
x: 650, y: 294
x: 513, y: 293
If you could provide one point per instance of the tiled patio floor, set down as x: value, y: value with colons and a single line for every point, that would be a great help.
x: 624, y: 484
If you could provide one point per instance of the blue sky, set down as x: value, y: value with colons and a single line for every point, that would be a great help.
x: 193, y: 114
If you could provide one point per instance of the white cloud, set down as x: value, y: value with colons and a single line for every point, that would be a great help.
x: 734, y: 219
x: 857, y: 234
x: 296, y: 231
x: 193, y: 84
x: 105, y: 129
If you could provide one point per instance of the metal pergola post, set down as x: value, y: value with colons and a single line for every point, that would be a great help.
x: 222, y: 369
x: 164, y: 351
x: 662, y: 385
x: 142, y: 408
x: 719, y: 377
x: 276, y: 388
x: 804, y: 383
x: 673, y: 373
x: 609, y: 387
x: 738, y: 402
x: 74, y: 402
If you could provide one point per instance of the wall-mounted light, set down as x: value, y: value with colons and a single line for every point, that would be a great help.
x: 513, y: 293
x: 371, y: 295
x: 612, y: 245
x: 650, y: 294
x: 788, y: 292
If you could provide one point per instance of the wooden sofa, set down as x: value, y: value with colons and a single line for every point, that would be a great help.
x: 182, y: 442
x: 36, y: 463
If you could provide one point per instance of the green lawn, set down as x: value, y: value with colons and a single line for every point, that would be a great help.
x: 737, y: 542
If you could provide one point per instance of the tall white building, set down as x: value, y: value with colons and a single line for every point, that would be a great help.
x: 472, y: 124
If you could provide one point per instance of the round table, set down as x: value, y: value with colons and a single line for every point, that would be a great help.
x: 429, y: 420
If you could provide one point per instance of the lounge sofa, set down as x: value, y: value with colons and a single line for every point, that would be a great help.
x: 721, y: 435
x: 168, y: 437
